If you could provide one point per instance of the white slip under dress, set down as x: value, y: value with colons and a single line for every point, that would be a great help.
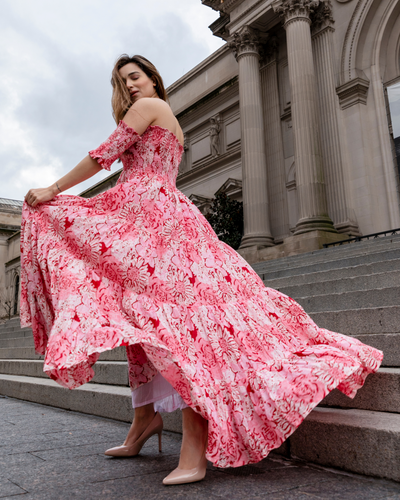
x: 160, y: 392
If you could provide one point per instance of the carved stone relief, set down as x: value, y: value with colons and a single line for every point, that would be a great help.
x: 183, y: 166
x: 203, y: 203
x: 293, y: 9
x: 322, y: 16
x: 215, y: 129
x: 245, y: 40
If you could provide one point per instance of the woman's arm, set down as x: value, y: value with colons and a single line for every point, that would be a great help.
x: 83, y: 171
x: 141, y: 114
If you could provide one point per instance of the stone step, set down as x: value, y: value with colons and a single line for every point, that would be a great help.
x: 357, y: 322
x: 19, y: 353
x: 110, y: 401
x: 344, y: 250
x: 311, y: 267
x: 390, y: 266
x: 16, y: 334
x: 17, y: 342
x: 383, y: 327
x: 323, y: 256
x: 13, y: 329
x: 106, y: 372
x: 331, y: 254
x: 117, y: 354
x: 351, y: 300
x: 356, y: 283
x: 388, y: 343
x: 12, y: 321
x: 381, y: 392
x: 11, y: 325
x: 346, y: 322
x: 360, y: 441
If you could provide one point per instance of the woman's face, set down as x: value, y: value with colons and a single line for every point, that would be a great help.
x: 137, y: 82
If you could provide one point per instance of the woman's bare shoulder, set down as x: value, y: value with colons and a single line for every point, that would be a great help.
x: 151, y: 110
x: 149, y: 103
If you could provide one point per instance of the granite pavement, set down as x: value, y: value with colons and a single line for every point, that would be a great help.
x: 48, y: 453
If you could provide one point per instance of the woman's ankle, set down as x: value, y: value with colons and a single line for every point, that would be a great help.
x: 193, y: 423
x: 144, y: 413
x: 142, y: 418
x: 194, y: 440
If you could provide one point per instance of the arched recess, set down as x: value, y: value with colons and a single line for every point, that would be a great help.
x: 388, y: 20
x: 390, y: 68
x: 370, y: 26
x: 364, y: 60
x: 348, y: 65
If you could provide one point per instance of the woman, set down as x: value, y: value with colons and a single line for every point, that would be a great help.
x: 139, y: 266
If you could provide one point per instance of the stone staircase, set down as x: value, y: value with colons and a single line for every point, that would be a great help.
x: 107, y: 395
x: 353, y: 289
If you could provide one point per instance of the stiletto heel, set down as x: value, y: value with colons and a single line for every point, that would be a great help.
x: 155, y: 427
x: 183, y: 476
x: 159, y: 442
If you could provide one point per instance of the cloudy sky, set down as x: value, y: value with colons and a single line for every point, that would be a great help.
x: 55, y: 62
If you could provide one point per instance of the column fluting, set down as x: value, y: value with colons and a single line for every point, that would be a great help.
x: 338, y: 203
x: 310, y: 182
x: 278, y: 205
x: 246, y: 46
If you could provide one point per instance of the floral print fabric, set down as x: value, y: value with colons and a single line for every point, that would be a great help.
x: 139, y: 266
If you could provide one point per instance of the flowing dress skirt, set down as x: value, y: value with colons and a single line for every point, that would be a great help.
x: 139, y: 266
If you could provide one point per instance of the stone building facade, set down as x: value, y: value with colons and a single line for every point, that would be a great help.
x: 10, y: 223
x: 305, y: 92
x: 298, y: 116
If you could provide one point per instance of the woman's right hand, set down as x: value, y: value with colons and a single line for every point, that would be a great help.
x: 35, y: 196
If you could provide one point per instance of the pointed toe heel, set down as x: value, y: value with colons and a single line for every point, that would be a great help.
x: 184, y: 476
x: 155, y: 427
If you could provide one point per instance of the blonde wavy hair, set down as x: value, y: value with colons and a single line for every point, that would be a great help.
x: 121, y: 99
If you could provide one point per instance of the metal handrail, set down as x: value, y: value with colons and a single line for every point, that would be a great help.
x: 392, y: 232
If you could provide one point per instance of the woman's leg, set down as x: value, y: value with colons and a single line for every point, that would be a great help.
x: 192, y: 462
x: 145, y: 424
x: 143, y: 416
x: 156, y: 395
x: 194, y: 440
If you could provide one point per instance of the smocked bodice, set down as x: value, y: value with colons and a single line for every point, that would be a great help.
x: 156, y: 153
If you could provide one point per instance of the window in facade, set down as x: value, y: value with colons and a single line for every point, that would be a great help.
x: 393, y: 93
x: 16, y: 294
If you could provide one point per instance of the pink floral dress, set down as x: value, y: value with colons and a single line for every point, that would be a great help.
x: 139, y: 266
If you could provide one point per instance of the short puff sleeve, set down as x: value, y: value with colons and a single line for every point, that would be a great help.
x: 119, y: 141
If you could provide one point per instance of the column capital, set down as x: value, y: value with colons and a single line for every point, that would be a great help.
x: 293, y: 10
x: 246, y: 41
x: 322, y: 17
x: 269, y: 51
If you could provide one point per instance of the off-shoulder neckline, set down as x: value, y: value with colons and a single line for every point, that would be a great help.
x: 156, y: 126
x: 167, y: 130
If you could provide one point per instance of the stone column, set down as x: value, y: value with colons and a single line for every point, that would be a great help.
x: 310, y: 182
x: 246, y: 46
x: 279, y: 217
x: 338, y: 204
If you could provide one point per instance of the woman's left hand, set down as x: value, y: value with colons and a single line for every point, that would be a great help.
x: 41, y: 195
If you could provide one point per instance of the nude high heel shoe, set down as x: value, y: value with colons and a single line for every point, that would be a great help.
x: 183, y: 476
x: 155, y: 427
